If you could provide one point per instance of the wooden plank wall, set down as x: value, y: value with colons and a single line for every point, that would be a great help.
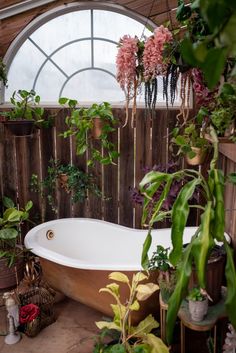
x: 142, y: 146
x: 228, y: 165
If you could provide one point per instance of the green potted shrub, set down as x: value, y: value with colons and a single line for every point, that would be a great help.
x: 166, y: 273
x: 11, y: 249
x: 25, y: 114
x: 198, y: 304
x: 129, y: 338
x: 66, y: 177
x: 192, y: 144
x: 87, y: 124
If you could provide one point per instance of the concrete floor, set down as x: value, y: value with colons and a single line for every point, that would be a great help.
x: 73, y: 332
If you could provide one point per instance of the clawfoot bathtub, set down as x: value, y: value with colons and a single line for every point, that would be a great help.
x: 77, y: 254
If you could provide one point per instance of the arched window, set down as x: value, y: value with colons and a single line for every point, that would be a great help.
x: 71, y: 52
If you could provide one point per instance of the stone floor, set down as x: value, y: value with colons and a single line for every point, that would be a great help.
x: 73, y: 332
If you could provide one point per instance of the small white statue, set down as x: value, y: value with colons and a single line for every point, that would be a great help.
x: 13, y: 316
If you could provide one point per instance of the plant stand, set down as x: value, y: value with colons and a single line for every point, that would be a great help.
x: 215, y: 312
x: 163, y: 310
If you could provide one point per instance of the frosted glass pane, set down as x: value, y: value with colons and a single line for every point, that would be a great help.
x: 113, y: 26
x: 49, y: 83
x: 23, y: 69
x: 74, y: 57
x: 63, y: 29
x: 93, y: 86
x: 105, y: 55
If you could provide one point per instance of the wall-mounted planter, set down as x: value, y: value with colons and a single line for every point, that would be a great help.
x: 98, y: 124
x: 20, y: 127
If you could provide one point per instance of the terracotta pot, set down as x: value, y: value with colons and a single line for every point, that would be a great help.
x: 63, y: 180
x: 20, y: 127
x: 10, y: 277
x: 98, y: 124
x: 198, y: 309
x: 199, y: 158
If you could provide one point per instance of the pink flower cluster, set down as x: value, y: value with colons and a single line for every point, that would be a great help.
x: 204, y: 97
x: 126, y: 63
x: 153, y: 53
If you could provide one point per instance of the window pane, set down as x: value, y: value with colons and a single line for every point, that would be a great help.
x: 93, y: 86
x: 62, y: 29
x: 105, y: 55
x: 21, y: 74
x: 49, y: 83
x: 112, y: 25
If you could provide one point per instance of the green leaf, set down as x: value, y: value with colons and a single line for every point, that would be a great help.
x: 119, y: 277
x: 8, y: 233
x: 144, y: 291
x: 187, y: 52
x: 29, y: 205
x: 232, y: 178
x: 63, y: 100
x: 135, y: 306
x: 230, y: 274
x: 146, y: 246
x: 114, y: 287
x: 118, y: 348
x: 227, y: 35
x: 139, y: 277
x: 7, y: 202
x: 145, y: 326
x: 141, y: 348
x: 12, y: 215
x: 180, y: 212
x: 214, y: 65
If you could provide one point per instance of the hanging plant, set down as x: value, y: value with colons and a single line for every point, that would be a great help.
x: 129, y: 70
x: 155, y: 64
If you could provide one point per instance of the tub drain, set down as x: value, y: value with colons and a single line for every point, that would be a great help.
x: 50, y: 234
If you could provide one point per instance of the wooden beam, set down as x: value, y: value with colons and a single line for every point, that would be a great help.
x: 20, y: 7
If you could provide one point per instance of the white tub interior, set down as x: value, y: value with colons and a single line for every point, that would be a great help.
x: 95, y: 244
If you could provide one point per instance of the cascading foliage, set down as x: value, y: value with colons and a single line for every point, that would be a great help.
x: 211, y: 229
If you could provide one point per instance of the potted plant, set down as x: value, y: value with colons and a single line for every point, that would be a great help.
x: 69, y: 178
x: 25, y: 114
x: 198, y: 304
x: 129, y: 338
x: 11, y: 250
x: 166, y: 273
x: 210, y: 230
x: 191, y: 143
x: 84, y: 123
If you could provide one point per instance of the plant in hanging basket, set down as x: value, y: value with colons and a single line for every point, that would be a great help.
x: 25, y: 114
x: 87, y: 124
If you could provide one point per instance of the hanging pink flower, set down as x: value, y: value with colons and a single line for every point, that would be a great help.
x: 204, y: 97
x: 153, y: 60
x: 126, y: 63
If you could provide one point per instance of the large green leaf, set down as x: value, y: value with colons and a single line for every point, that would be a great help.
x: 230, y: 274
x: 7, y: 202
x: 12, y: 215
x: 180, y: 212
x: 156, y: 344
x: 183, y: 274
x: 118, y: 348
x: 215, y: 13
x: 119, y: 277
x: 227, y: 35
x: 146, y: 246
x: 8, y: 233
x: 202, y: 245
x: 144, y: 291
x: 214, y: 65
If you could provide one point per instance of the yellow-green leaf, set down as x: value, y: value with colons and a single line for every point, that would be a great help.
x: 145, y: 326
x: 156, y: 344
x: 135, y: 306
x: 109, y: 325
x: 140, y: 276
x: 110, y: 292
x: 119, y: 277
x: 114, y: 287
x: 144, y: 291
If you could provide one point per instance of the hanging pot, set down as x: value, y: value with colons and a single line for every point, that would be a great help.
x: 98, y: 124
x: 199, y: 157
x: 11, y: 276
x: 63, y: 180
x: 20, y: 127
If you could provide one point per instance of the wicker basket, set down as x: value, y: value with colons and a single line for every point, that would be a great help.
x: 44, y: 299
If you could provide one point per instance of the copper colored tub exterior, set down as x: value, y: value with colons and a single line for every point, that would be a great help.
x: 79, y: 257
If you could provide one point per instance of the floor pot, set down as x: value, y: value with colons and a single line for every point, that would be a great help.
x: 20, y: 127
x: 11, y: 276
x: 199, y: 158
x: 198, y: 309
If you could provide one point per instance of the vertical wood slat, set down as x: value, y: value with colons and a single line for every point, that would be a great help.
x: 8, y: 166
x: 110, y: 178
x: 126, y: 174
x: 143, y: 155
x: 62, y: 153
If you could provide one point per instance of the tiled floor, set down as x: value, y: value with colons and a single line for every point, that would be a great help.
x: 73, y: 332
